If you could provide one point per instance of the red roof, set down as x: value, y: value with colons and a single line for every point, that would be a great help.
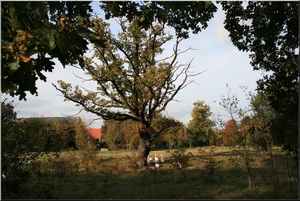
x: 96, y: 133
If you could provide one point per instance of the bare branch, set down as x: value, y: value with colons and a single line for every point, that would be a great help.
x: 73, y: 115
x: 95, y: 119
x: 104, y: 113
x: 83, y: 79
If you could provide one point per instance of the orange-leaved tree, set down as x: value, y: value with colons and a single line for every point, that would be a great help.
x: 229, y: 132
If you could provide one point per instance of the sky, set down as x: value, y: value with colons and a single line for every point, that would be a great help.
x: 220, y: 60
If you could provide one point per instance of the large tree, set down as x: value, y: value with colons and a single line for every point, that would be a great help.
x: 33, y: 34
x: 269, y: 31
x: 201, y: 126
x: 132, y: 82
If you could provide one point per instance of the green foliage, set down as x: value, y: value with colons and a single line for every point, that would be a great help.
x: 116, y: 183
x: 33, y: 34
x: 14, y: 150
x: 179, y: 159
x: 239, y: 135
x: 211, y: 164
x: 125, y: 134
x: 22, y: 142
x: 88, y: 159
x: 172, y: 13
x: 62, y: 165
x: 45, y: 137
x: 269, y: 31
x: 17, y: 178
x: 166, y: 129
x: 81, y: 137
x: 9, y: 128
x: 263, y: 115
x: 115, y: 135
x: 200, y: 128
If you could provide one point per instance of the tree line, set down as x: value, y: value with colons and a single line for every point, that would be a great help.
x: 35, y: 135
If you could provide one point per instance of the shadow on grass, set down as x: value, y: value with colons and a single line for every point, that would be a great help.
x: 158, y: 184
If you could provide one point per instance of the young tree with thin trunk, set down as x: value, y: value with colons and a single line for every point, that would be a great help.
x: 132, y: 82
x: 238, y: 136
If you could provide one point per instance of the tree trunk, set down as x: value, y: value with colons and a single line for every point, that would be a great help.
x: 143, y: 148
x: 143, y: 152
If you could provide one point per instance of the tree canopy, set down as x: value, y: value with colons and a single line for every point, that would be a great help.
x: 182, y: 16
x: 229, y: 132
x: 263, y: 115
x: 33, y: 34
x: 200, y: 126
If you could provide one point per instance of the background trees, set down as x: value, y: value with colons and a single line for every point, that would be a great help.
x: 22, y: 141
x: 16, y: 146
x: 269, y: 31
x: 120, y: 134
x: 8, y: 119
x: 262, y: 118
x: 168, y: 131
x: 200, y: 128
x: 125, y: 134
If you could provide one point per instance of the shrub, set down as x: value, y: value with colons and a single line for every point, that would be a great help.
x: 179, y: 161
x: 211, y: 164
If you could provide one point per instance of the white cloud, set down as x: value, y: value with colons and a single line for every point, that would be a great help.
x: 217, y: 26
x: 221, y: 33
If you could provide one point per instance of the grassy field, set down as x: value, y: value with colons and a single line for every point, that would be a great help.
x: 112, y: 175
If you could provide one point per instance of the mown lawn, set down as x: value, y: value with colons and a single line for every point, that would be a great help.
x: 111, y: 175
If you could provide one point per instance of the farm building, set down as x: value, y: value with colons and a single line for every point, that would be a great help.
x: 94, y: 133
x: 97, y: 135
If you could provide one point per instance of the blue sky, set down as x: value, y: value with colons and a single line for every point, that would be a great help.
x: 223, y: 62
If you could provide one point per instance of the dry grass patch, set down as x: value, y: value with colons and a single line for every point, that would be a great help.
x: 114, y: 177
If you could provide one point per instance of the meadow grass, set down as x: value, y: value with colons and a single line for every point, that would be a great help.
x: 111, y: 175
